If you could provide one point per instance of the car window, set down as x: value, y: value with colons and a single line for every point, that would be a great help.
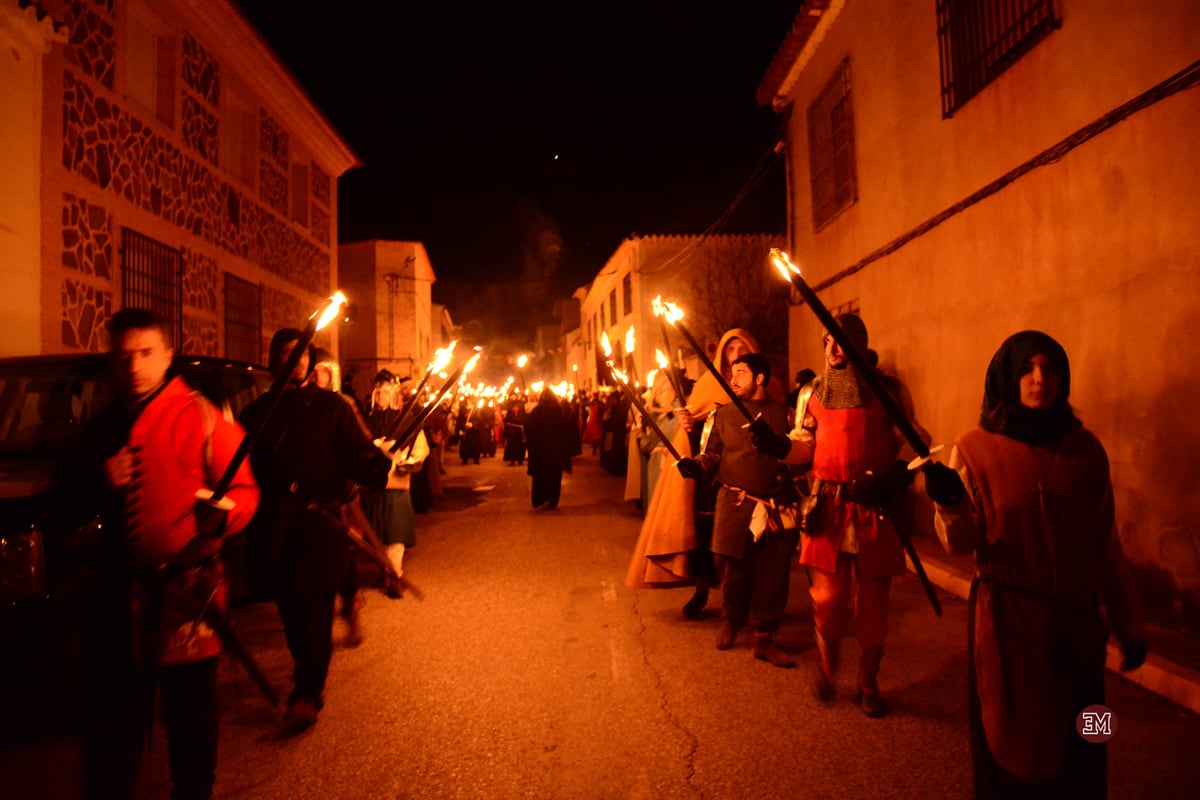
x: 230, y: 387
x: 42, y: 407
x: 45, y: 402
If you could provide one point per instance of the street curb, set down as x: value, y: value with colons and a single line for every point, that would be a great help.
x: 1175, y: 682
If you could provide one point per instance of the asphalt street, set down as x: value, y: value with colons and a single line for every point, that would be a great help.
x: 531, y: 671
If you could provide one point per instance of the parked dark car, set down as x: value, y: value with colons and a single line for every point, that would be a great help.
x: 44, y: 403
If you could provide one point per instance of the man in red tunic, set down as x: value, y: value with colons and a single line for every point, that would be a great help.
x: 143, y: 462
x: 858, y: 467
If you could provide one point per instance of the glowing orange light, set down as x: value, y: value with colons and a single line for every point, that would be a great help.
x: 783, y: 263
x: 330, y: 309
x: 670, y: 311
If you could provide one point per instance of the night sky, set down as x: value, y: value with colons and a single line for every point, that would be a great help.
x: 523, y: 140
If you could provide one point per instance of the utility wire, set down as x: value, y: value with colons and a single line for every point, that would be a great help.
x: 760, y: 171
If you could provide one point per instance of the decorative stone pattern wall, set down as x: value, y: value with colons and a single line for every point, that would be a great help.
x: 272, y: 140
x: 320, y: 186
x: 200, y: 276
x: 85, y: 311
x: 200, y: 73
x: 199, y: 124
x: 114, y: 150
x: 199, y: 336
x: 272, y: 187
x: 281, y: 310
x: 87, y: 237
x: 176, y: 178
x: 200, y: 324
x: 319, y: 218
x: 92, y: 43
x: 199, y: 129
x: 321, y: 229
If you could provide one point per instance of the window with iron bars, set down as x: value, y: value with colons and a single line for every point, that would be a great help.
x: 831, y: 149
x: 152, y: 278
x: 243, y: 320
x: 979, y: 39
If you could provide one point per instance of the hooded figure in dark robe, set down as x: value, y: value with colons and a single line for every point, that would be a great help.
x: 1029, y: 493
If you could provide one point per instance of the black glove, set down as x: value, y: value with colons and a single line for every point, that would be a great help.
x: 690, y: 468
x: 767, y: 441
x: 943, y: 485
x: 1134, y: 654
x: 211, y: 519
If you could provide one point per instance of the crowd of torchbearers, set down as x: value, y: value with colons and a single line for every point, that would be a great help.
x: 736, y: 481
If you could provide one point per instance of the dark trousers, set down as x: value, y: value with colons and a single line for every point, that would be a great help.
x: 700, y: 560
x: 755, y: 586
x: 308, y: 627
x: 547, y: 487
x: 117, y: 712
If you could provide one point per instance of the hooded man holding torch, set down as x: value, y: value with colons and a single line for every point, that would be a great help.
x: 307, y: 458
x: 858, y: 468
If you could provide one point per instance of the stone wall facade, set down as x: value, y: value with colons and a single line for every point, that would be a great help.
x: 111, y: 165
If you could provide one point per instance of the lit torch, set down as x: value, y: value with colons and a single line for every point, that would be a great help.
x: 647, y: 418
x: 874, y: 382
x: 405, y: 439
x: 663, y: 315
x: 673, y: 315
x: 619, y: 377
x: 521, y: 362
x: 630, y: 342
x: 441, y: 358
x: 320, y: 318
x: 672, y: 378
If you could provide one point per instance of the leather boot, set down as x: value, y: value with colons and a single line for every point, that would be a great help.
x: 694, y: 609
x: 868, y: 698
x: 727, y: 634
x: 765, y: 649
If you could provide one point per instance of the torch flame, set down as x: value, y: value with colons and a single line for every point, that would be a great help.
x: 330, y: 309
x: 442, y: 357
x: 783, y: 263
x: 471, y: 364
x: 663, y: 308
x: 621, y: 376
x: 522, y: 361
x: 661, y: 359
x: 604, y: 345
x: 629, y: 341
x: 650, y: 377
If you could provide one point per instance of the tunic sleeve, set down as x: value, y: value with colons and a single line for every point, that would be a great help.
x: 960, y: 527
x: 804, y: 434
x: 364, y: 463
x: 226, y: 438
